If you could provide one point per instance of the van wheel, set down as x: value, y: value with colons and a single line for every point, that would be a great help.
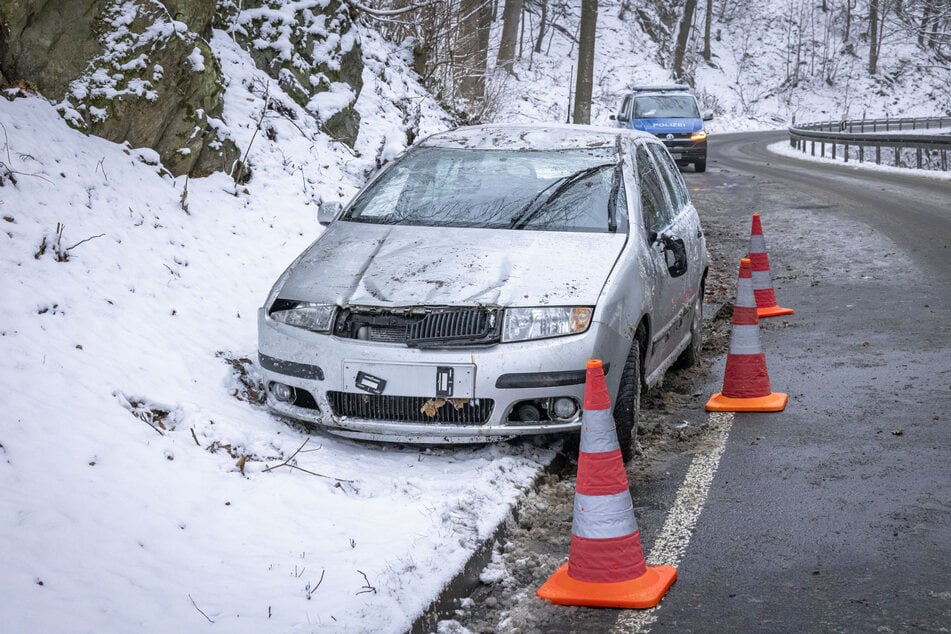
x: 700, y: 166
x: 627, y: 408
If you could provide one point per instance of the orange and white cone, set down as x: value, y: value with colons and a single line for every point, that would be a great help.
x: 766, y: 305
x: 746, y: 381
x: 606, y: 565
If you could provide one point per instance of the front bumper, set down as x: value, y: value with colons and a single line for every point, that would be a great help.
x: 333, y: 375
x: 684, y: 150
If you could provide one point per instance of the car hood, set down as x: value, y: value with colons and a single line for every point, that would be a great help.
x: 385, y: 265
x: 668, y: 126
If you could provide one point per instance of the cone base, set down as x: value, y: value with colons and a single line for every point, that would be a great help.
x: 645, y: 591
x: 773, y: 402
x: 773, y: 311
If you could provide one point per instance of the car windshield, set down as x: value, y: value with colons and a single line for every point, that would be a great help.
x: 666, y: 107
x: 550, y: 190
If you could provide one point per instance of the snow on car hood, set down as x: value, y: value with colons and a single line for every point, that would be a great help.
x: 668, y: 126
x: 385, y: 265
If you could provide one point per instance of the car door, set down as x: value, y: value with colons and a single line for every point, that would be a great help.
x: 668, y: 289
x: 684, y: 225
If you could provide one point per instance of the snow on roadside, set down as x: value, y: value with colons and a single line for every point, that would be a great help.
x: 142, y: 487
x: 783, y: 148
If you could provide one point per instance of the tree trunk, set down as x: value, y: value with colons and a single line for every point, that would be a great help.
x: 707, y: 20
x: 472, y: 44
x: 585, y: 80
x: 683, y: 35
x: 925, y: 18
x: 511, y: 15
x: 542, y: 25
x: 872, y: 37
x: 848, y: 21
x: 935, y: 37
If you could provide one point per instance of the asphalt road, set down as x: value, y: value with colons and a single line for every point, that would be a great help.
x: 834, y: 515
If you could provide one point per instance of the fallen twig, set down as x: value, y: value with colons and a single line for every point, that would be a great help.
x: 199, y: 609
x: 157, y: 430
x: 310, y: 591
x: 287, y: 463
x: 366, y: 586
x: 86, y: 240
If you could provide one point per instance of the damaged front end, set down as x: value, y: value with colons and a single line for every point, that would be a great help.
x: 421, y: 374
x: 421, y: 327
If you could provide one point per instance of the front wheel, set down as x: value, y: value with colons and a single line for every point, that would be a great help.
x: 700, y: 166
x: 627, y: 406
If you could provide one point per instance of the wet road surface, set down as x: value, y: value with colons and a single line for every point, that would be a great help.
x: 835, y: 515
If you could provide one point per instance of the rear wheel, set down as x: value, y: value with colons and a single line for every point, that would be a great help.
x: 691, y: 354
x: 627, y: 406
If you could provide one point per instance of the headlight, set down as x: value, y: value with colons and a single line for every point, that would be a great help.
x: 316, y: 317
x: 538, y: 323
x: 698, y: 136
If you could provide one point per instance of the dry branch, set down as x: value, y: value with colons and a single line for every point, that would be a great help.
x: 287, y: 463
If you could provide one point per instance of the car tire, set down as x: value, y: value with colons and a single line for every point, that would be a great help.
x: 700, y: 166
x: 690, y: 357
x: 627, y: 406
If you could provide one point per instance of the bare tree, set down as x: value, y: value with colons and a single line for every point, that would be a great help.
x: 511, y: 15
x: 585, y: 79
x: 849, y: 4
x: 683, y: 35
x: 707, y: 20
x: 542, y: 26
x: 472, y: 44
x: 873, y: 41
x: 925, y: 19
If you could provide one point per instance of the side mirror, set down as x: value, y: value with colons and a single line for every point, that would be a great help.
x: 707, y: 116
x: 675, y: 254
x: 328, y: 212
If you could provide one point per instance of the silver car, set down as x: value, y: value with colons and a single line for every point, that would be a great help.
x: 459, y: 295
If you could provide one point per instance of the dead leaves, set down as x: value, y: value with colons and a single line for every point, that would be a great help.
x: 433, y: 405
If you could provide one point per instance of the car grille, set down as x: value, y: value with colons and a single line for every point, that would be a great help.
x: 680, y: 141
x: 409, y: 409
x: 429, y: 327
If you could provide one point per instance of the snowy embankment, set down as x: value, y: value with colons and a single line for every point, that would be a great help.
x: 144, y: 488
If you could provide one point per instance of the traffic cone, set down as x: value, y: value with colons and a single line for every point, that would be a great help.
x: 762, y: 281
x: 745, y: 380
x: 606, y: 566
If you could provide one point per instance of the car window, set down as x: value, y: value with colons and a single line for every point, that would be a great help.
x: 654, y: 205
x: 666, y: 107
x: 676, y: 189
x: 550, y: 190
x: 625, y: 108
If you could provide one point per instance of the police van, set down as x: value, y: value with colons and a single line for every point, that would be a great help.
x: 672, y: 114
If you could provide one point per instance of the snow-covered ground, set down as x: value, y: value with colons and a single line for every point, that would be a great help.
x: 143, y: 489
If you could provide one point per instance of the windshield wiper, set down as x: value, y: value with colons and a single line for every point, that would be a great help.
x: 531, y: 209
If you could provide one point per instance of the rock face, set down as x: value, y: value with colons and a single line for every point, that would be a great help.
x: 310, y: 49
x: 142, y: 70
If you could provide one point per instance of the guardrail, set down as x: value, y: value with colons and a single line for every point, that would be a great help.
x: 921, y: 151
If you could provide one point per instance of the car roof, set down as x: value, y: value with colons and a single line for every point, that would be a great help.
x: 530, y: 137
x: 661, y: 89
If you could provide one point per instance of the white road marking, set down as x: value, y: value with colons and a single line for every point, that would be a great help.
x: 675, y: 535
